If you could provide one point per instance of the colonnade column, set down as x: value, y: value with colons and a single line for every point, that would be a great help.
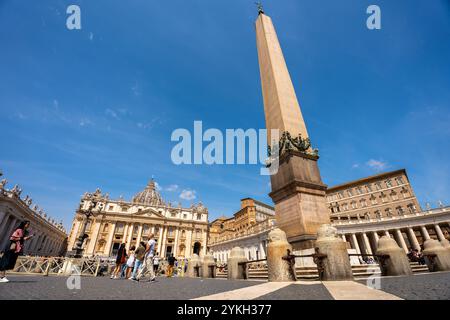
x: 413, y: 239
x: 439, y: 232
x: 354, y: 243
x: 368, y: 249
x: 401, y: 239
x: 425, y: 233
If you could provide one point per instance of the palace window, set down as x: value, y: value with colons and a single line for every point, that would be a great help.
x: 359, y: 190
x: 411, y: 208
x: 354, y: 205
x: 388, y: 212
x: 399, y: 180
x: 369, y: 188
x: 363, y: 203
x: 389, y: 183
x: 378, y: 185
x: 405, y: 192
x: 373, y: 200
x: 111, y: 208
x: 378, y: 214
x: 394, y: 195
x: 366, y: 216
x: 383, y: 197
x: 349, y: 192
x: 400, y: 211
x: 184, y: 216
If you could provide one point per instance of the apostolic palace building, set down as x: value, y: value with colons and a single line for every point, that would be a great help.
x: 178, y: 231
x: 361, y: 210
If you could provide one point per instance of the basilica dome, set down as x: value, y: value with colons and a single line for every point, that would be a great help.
x: 149, y: 196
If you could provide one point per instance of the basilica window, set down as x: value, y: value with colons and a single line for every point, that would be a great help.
x: 111, y: 208
x: 120, y: 227
x: 199, y: 216
x: 172, y: 214
x: 184, y: 216
x: 170, y: 231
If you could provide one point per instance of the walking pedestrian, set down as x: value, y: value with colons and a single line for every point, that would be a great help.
x: 15, y: 248
x: 156, y: 259
x: 148, y: 262
x: 171, y: 260
x: 120, y: 260
x: 130, y: 262
x: 139, y: 255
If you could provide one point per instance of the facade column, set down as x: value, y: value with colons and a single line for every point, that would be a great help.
x: 204, y: 241
x: 425, y: 233
x: 163, y: 244
x: 139, y: 237
x: 129, y: 236
x: 175, y: 249
x: 401, y: 240
x: 354, y: 243
x: 160, y: 239
x: 90, y: 250
x: 413, y: 239
x: 366, y: 243
x: 189, y: 242
x: 111, y: 232
x: 439, y: 232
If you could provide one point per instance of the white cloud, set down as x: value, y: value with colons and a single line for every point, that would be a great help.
x: 85, y: 122
x: 356, y: 165
x: 91, y: 36
x: 188, y: 194
x: 112, y: 113
x: 377, y: 165
x: 172, y: 187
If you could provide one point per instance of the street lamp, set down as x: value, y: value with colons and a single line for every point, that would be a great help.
x: 87, y: 213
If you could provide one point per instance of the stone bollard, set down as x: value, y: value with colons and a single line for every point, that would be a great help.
x: 445, y: 243
x: 336, y: 264
x: 236, y: 270
x: 194, y: 267
x: 279, y: 269
x: 397, y: 264
x: 208, y: 266
x: 438, y: 257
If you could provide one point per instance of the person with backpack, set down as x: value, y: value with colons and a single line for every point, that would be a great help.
x: 139, y: 255
x: 171, y: 261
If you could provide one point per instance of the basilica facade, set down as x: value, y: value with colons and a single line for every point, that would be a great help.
x: 177, y: 230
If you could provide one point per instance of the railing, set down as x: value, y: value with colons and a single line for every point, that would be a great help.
x: 56, y: 266
x: 244, y: 266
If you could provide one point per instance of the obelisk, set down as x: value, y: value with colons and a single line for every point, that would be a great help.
x: 297, y: 188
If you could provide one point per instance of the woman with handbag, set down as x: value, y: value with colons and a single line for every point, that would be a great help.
x: 120, y: 260
x: 17, y: 239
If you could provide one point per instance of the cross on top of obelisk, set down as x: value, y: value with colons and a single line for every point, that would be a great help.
x: 260, y: 7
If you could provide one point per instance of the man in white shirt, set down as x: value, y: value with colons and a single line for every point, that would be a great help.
x: 148, y: 262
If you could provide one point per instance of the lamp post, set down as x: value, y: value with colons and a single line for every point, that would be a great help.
x: 87, y: 213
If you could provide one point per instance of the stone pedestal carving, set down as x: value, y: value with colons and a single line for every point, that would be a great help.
x: 194, y: 266
x: 235, y: 269
x: 397, y: 263
x: 279, y: 269
x: 437, y: 257
x: 208, y: 266
x: 336, y: 264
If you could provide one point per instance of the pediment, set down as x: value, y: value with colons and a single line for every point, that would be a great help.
x: 149, y: 212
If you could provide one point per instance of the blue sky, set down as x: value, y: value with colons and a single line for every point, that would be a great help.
x: 95, y: 107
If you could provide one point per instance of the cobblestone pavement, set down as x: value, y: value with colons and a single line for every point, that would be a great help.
x: 53, y: 287
x: 428, y: 286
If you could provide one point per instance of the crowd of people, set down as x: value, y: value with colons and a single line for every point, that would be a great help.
x: 142, y: 261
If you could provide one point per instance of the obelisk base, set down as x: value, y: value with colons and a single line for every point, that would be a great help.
x: 299, y: 196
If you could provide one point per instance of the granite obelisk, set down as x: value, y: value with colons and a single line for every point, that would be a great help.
x: 297, y: 188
